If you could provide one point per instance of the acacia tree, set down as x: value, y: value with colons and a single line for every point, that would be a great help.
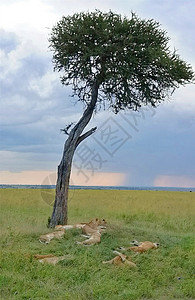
x: 120, y: 62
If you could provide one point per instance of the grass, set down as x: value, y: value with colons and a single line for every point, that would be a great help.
x: 164, y: 217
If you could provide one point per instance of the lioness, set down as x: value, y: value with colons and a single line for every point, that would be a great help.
x: 94, y: 225
x: 141, y: 247
x: 120, y: 259
x: 46, y: 238
x: 95, y: 238
x: 49, y: 258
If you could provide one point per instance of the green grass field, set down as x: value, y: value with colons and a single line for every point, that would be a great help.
x: 164, y: 217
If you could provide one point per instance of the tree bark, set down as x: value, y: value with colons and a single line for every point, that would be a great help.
x: 60, y: 209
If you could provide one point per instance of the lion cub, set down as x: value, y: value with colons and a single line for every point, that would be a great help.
x: 120, y: 259
x: 46, y: 238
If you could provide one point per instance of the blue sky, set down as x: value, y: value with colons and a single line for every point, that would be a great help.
x: 150, y: 148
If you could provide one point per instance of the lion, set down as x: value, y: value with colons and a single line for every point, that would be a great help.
x: 94, y: 238
x: 41, y: 256
x: 46, y: 238
x: 66, y: 227
x: 49, y: 258
x: 141, y: 247
x: 120, y: 259
x: 94, y: 225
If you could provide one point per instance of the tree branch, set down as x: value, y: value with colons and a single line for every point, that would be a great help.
x: 76, y: 131
x: 85, y: 135
x: 65, y: 130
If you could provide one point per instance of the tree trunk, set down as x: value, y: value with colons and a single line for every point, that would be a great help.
x: 60, y: 209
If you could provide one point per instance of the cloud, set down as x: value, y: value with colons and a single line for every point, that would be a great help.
x: 73, y: 6
x: 25, y: 15
x: 24, y: 177
x: 8, y: 41
x: 182, y: 100
x: 174, y: 181
x: 20, y: 61
x: 15, y: 162
x: 98, y: 178
x: 44, y: 85
x: 162, y: 143
x: 42, y: 177
x: 34, y: 105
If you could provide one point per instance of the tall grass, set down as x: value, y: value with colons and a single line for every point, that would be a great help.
x: 164, y: 217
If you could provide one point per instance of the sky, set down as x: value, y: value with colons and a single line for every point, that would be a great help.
x: 146, y: 148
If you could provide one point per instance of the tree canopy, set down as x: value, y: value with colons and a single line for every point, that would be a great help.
x: 129, y: 58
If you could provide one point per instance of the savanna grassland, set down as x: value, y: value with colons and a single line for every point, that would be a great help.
x: 164, y: 217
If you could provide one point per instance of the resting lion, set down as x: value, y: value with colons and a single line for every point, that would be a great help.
x: 66, y: 227
x: 94, y: 225
x: 49, y: 258
x: 94, y: 238
x: 120, y: 259
x: 141, y: 247
x: 46, y: 238
x: 87, y: 227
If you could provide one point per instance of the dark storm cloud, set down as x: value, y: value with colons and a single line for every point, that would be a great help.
x: 34, y: 105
